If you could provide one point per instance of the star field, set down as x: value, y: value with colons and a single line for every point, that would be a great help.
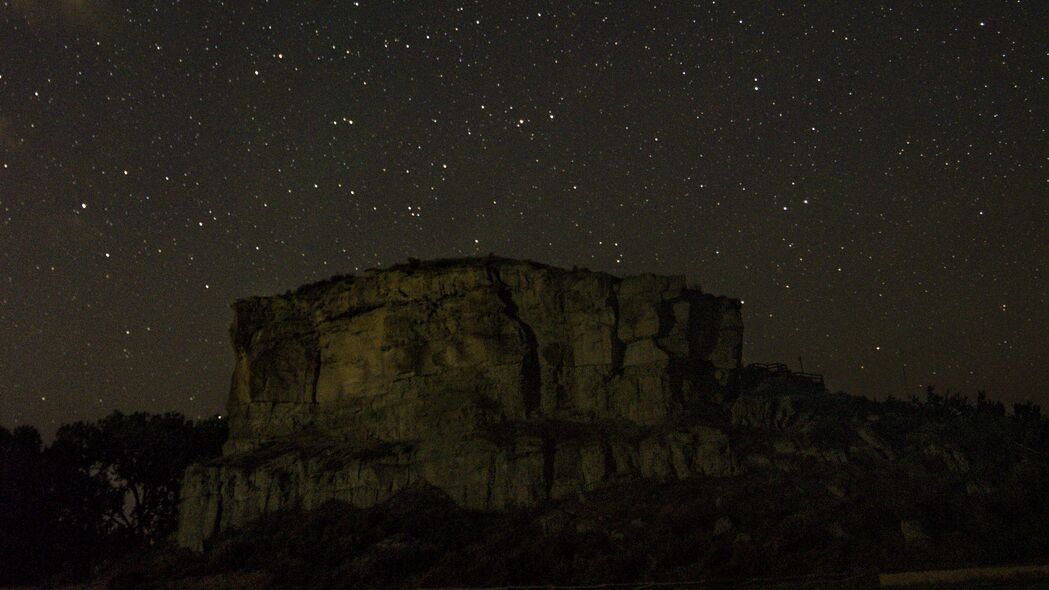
x: 871, y: 179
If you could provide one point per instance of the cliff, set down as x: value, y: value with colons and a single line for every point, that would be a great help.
x: 500, y: 382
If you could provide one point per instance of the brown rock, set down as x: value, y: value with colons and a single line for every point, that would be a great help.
x: 501, y: 382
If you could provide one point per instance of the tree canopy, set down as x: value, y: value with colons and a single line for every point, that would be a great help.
x: 100, y: 489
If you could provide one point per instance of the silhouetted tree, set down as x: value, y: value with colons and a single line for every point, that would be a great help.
x: 100, y: 489
x: 142, y: 457
x: 48, y: 511
x: 986, y: 406
x: 21, y: 464
x: 1027, y: 411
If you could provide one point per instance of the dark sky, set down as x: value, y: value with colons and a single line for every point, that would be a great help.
x: 872, y: 180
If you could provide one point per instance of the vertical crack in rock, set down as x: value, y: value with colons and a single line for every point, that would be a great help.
x: 555, y: 354
x: 216, y: 526
x: 489, y: 488
x: 316, y: 374
x: 676, y: 367
x: 695, y: 327
x: 531, y: 372
x: 549, y: 456
x: 557, y: 368
x: 609, y: 459
x: 618, y: 346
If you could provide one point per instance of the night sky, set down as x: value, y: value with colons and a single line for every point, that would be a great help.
x: 872, y: 180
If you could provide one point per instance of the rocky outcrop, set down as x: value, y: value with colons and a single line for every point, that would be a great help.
x: 500, y: 382
x: 396, y: 403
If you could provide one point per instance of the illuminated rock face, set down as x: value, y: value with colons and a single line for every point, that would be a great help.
x: 501, y: 382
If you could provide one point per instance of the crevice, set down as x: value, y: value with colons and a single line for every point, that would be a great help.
x: 490, y: 482
x: 352, y: 312
x: 677, y: 367
x: 609, y: 460
x: 316, y: 375
x: 560, y: 394
x: 561, y: 399
x: 676, y: 375
x: 531, y: 372
x: 703, y: 328
x: 549, y: 456
x: 216, y: 527
x: 618, y: 346
x: 665, y: 311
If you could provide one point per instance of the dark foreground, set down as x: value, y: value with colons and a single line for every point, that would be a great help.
x: 919, y: 485
x: 717, y: 533
x: 835, y: 490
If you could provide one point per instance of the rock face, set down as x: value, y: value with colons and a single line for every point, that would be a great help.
x: 500, y: 382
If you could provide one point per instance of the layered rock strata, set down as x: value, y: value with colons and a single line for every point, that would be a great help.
x: 501, y: 382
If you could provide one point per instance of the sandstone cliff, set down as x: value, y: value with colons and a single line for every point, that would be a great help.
x: 500, y: 382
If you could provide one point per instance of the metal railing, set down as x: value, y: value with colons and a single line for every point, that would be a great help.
x: 782, y: 369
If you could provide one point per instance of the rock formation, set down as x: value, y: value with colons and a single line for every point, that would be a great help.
x: 500, y: 382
